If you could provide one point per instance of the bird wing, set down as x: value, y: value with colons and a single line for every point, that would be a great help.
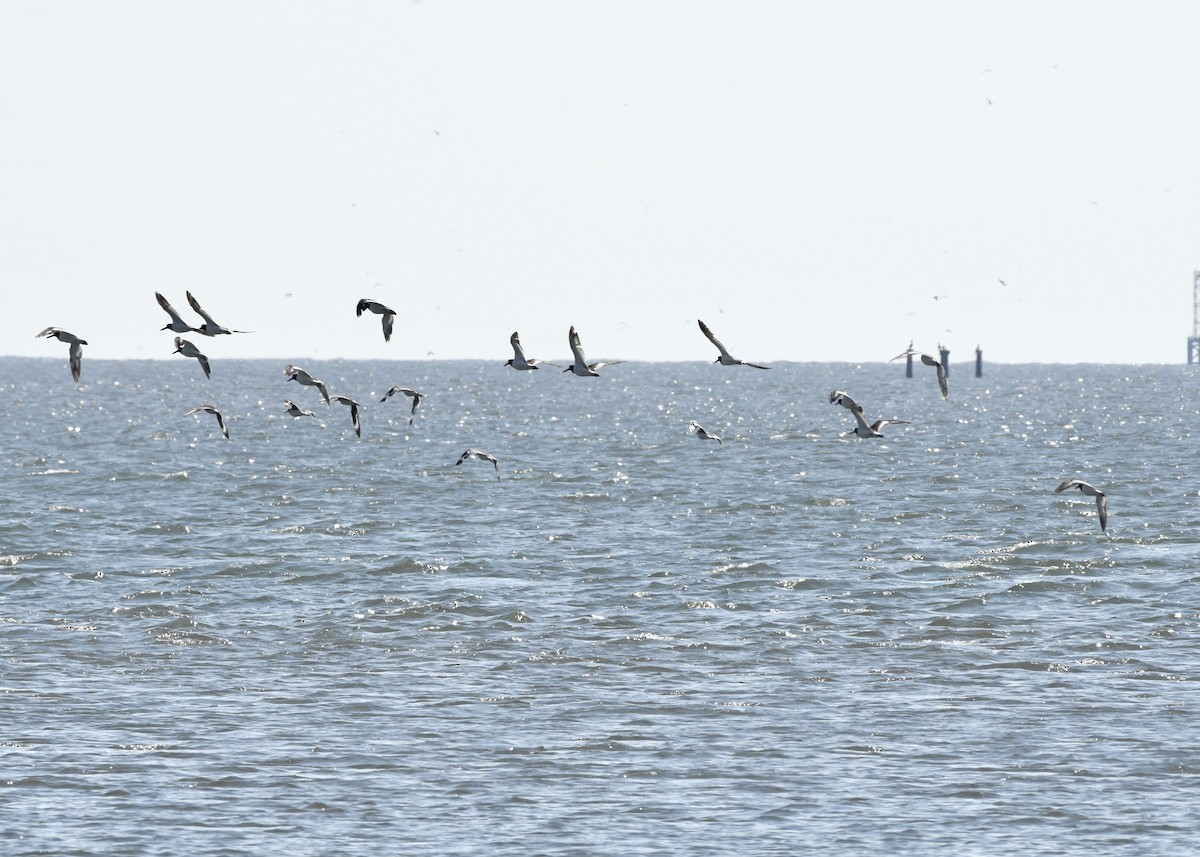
x: 576, y: 347
x: 1102, y: 507
x: 1069, y: 483
x: 389, y: 320
x: 704, y: 329
x: 199, y: 309
x: 941, y: 373
x: 755, y: 365
x: 518, y: 351
x: 48, y: 332
x: 165, y: 304
x: 204, y: 365
x: 76, y: 360
x: 362, y: 305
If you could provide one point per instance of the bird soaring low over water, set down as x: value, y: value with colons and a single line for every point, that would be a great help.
x: 1091, y: 491
x: 182, y: 346
x: 726, y: 359
x: 210, y: 327
x: 519, y: 360
x: 481, y: 456
x: 177, y: 323
x: 701, y: 433
x: 928, y: 360
x: 354, y: 408
x: 76, y: 347
x: 389, y: 315
x: 295, y: 410
x: 211, y: 409
x: 407, y: 391
x: 581, y: 367
x: 295, y: 373
x: 837, y: 397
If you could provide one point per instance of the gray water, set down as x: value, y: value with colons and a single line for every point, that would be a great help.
x: 633, y: 642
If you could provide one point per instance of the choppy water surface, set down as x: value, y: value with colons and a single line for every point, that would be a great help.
x: 634, y: 642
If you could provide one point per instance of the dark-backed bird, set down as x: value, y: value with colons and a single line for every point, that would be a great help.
x: 210, y: 327
x: 76, y: 347
x: 701, y: 432
x: 187, y: 349
x: 480, y: 456
x: 1091, y: 491
x: 837, y: 397
x: 178, y: 325
x: 519, y: 360
x: 581, y: 367
x: 928, y: 360
x: 726, y: 359
x: 211, y: 409
x: 296, y: 411
x: 295, y: 373
x: 353, y: 406
x: 407, y: 391
x: 389, y: 315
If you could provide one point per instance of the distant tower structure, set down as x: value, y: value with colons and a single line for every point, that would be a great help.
x: 1194, y: 339
x: 908, y: 363
x: 978, y: 362
x: 944, y: 353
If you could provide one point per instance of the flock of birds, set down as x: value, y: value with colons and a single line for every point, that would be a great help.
x: 579, y: 366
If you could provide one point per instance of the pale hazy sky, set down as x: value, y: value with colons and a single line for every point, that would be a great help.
x: 804, y: 176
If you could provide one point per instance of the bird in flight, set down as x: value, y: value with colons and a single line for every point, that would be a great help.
x: 296, y: 411
x: 210, y: 327
x: 581, y: 367
x: 1091, y: 491
x: 211, y: 409
x: 407, y: 391
x: 354, y: 409
x: 726, y: 359
x: 701, y: 433
x: 928, y: 360
x: 295, y: 373
x: 389, y: 315
x: 519, y: 360
x: 187, y: 349
x: 480, y: 456
x: 76, y: 353
x: 837, y: 397
x: 178, y: 325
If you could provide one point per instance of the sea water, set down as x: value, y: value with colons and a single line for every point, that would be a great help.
x: 633, y: 642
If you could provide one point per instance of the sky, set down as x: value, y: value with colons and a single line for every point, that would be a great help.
x: 818, y: 181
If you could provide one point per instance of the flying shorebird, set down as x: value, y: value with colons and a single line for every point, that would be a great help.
x: 296, y: 411
x: 389, y: 315
x: 353, y: 406
x: 837, y: 397
x: 76, y: 347
x: 211, y: 409
x: 182, y: 346
x: 581, y: 367
x: 1091, y: 491
x: 210, y: 327
x: 928, y: 360
x: 519, y: 360
x: 411, y: 393
x: 726, y: 359
x: 177, y: 323
x: 295, y: 373
x: 482, y: 456
x: 701, y: 433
